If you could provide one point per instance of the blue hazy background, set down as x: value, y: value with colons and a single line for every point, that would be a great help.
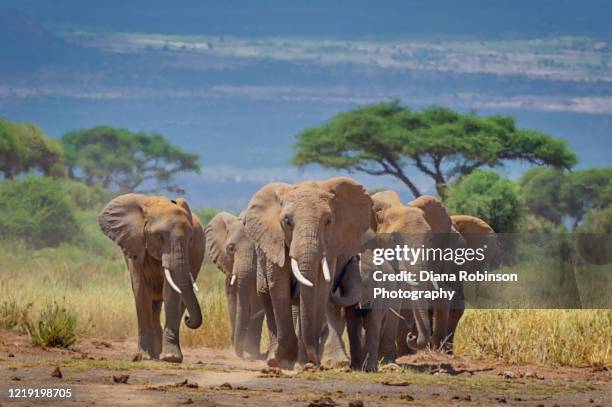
x: 237, y: 81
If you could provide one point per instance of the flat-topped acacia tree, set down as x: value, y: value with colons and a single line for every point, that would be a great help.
x: 122, y: 160
x: 386, y: 138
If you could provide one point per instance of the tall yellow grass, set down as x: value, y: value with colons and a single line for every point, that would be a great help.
x: 97, y: 289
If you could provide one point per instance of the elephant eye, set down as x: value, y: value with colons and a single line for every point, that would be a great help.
x: 160, y: 237
x: 328, y: 222
x: 287, y: 220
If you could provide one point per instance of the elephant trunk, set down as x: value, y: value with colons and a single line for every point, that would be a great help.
x: 308, y: 254
x: 178, y: 273
x: 420, y: 311
x: 244, y: 263
x: 423, y: 335
x: 347, y: 294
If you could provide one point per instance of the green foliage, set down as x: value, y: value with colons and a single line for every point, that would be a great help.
x: 555, y: 195
x: 206, y: 214
x: 598, y: 221
x: 125, y: 161
x: 382, y: 139
x: 84, y: 197
x: 37, y: 211
x: 489, y: 196
x: 24, y: 147
x: 542, y: 193
x: 56, y: 327
x: 587, y: 190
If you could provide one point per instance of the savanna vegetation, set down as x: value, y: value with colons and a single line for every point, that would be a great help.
x: 61, y: 278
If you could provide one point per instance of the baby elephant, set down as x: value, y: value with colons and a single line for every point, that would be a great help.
x: 234, y: 254
x: 163, y: 246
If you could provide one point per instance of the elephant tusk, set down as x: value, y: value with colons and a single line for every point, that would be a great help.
x: 298, y: 274
x: 195, y: 286
x: 233, y: 279
x: 326, y: 274
x: 434, y: 284
x: 171, y: 282
x: 257, y: 314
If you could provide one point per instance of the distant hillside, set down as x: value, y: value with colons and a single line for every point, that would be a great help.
x: 491, y: 19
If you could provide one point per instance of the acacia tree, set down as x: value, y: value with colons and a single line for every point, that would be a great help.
x: 24, y: 147
x: 385, y: 138
x: 557, y: 195
x: 126, y: 161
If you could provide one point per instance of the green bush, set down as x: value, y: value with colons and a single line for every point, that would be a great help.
x: 598, y: 221
x: 37, y: 211
x: 206, y: 214
x: 56, y: 326
x: 84, y: 197
x: 489, y: 196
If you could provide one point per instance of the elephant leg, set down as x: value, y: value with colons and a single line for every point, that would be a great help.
x: 174, y: 309
x: 280, y: 294
x: 373, y: 325
x: 454, y: 316
x: 335, y: 350
x: 157, y: 330
x: 440, y: 326
x: 253, y: 338
x: 144, y: 315
x: 354, y: 327
x: 387, y: 349
x: 266, y: 302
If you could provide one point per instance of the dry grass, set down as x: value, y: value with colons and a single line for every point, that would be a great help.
x: 559, y: 337
x: 97, y: 289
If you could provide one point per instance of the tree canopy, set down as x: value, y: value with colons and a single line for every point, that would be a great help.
x: 384, y: 138
x: 24, y: 147
x: 125, y: 161
x: 489, y: 196
x: 557, y: 195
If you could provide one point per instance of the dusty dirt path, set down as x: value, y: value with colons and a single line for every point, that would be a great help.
x: 211, y: 377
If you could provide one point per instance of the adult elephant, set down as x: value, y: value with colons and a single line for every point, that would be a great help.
x: 163, y: 246
x: 478, y: 235
x: 372, y: 322
x: 234, y: 254
x: 436, y: 327
x: 300, y: 231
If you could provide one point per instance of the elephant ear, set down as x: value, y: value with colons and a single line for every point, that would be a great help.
x: 381, y: 201
x: 262, y: 221
x: 466, y: 224
x: 352, y: 208
x: 198, y: 245
x: 216, y: 241
x: 435, y: 213
x: 183, y: 204
x: 122, y: 220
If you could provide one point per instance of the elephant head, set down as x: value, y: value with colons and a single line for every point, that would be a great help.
x: 309, y: 225
x: 156, y: 229
x: 234, y: 254
x: 411, y: 225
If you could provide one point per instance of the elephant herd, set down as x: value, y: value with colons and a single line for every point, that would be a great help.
x: 294, y: 259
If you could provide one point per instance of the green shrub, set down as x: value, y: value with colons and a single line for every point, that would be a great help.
x: 37, y: 211
x: 84, y: 197
x: 489, y: 196
x: 206, y: 214
x: 56, y: 326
